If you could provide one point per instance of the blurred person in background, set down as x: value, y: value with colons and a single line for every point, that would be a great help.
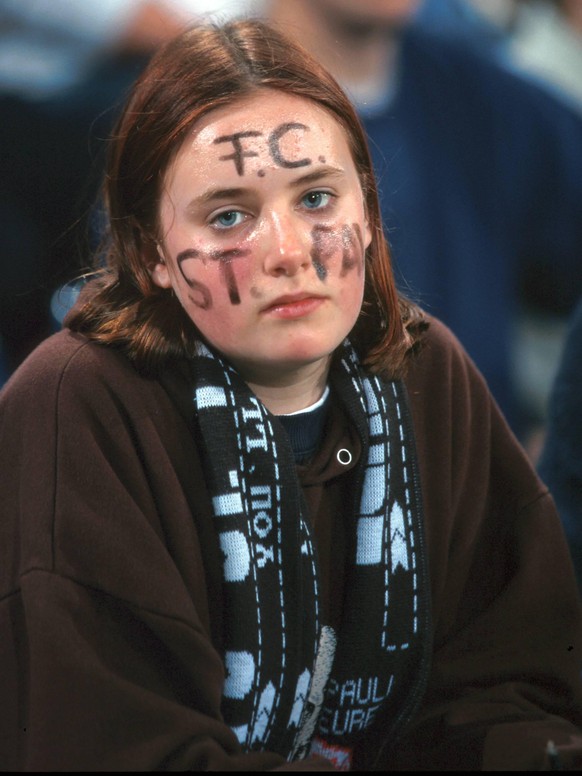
x: 541, y: 39
x: 480, y: 174
x: 560, y: 463
x: 64, y: 67
x: 486, y: 25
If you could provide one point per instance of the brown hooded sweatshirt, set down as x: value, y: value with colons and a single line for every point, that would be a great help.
x: 110, y: 582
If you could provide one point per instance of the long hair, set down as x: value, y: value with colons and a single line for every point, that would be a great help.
x: 207, y: 67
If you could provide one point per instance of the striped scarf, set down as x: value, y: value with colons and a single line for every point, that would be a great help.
x: 294, y: 685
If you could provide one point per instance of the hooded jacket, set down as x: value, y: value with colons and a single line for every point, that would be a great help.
x: 110, y: 580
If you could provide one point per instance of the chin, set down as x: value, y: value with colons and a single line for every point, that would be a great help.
x: 304, y: 353
x: 269, y: 368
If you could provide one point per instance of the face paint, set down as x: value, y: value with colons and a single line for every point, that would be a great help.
x: 274, y: 143
x: 204, y: 298
x: 324, y: 247
x: 226, y: 258
x: 329, y: 242
x: 264, y: 246
x: 239, y: 154
x: 353, y: 249
x: 274, y: 147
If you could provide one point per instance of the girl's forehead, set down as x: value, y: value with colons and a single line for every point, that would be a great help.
x: 266, y: 131
x: 264, y: 113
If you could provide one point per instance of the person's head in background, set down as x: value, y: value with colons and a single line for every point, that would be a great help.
x: 377, y: 13
x: 227, y: 152
x: 356, y: 41
x: 572, y: 10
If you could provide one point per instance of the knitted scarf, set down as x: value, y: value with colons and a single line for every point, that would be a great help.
x: 293, y: 685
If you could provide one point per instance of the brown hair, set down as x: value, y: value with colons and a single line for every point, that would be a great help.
x: 206, y: 67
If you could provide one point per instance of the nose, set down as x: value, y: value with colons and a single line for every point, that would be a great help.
x: 286, y: 249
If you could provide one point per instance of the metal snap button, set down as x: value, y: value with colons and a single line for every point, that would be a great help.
x: 344, y: 456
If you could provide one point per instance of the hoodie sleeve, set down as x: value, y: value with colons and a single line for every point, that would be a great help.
x: 108, y: 660
x: 507, y: 621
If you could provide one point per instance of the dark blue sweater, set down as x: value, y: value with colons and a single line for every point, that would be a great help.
x: 560, y: 464
x: 480, y: 176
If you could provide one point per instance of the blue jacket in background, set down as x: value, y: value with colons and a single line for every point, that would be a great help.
x: 480, y: 178
x: 560, y: 464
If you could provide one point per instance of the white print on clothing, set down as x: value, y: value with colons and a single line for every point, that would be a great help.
x: 255, y: 416
x: 369, y: 541
x: 358, y: 701
x: 300, y: 698
x: 263, y: 718
x: 260, y: 511
x: 237, y: 556
x: 210, y: 396
x: 229, y: 503
x: 321, y: 673
x: 241, y: 732
x: 398, y: 545
x: 234, y: 545
x: 240, y: 674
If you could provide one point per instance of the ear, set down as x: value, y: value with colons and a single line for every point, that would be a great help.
x: 159, y: 271
x: 367, y: 234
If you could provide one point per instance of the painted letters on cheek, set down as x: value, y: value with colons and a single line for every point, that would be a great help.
x: 329, y: 241
x: 325, y: 244
x: 205, y: 299
x: 353, y: 249
x: 239, y: 153
x: 225, y: 259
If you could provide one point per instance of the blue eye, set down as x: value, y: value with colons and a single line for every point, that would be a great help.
x: 316, y: 199
x: 228, y: 219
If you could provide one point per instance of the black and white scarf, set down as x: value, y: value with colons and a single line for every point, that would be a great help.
x: 294, y: 685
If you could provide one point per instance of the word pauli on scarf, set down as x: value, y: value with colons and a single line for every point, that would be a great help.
x: 293, y: 685
x: 357, y: 701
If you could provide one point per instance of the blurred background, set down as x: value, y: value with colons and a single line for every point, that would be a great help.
x: 474, y: 113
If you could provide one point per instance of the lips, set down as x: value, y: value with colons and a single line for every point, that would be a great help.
x: 293, y: 305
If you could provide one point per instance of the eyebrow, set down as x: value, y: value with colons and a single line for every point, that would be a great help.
x: 320, y: 172
x: 214, y: 195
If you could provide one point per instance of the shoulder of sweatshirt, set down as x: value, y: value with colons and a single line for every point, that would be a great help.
x: 69, y: 367
x: 440, y: 355
x: 458, y: 424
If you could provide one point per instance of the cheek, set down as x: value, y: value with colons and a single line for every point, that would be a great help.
x: 352, y: 295
x: 337, y: 249
x: 204, y: 294
x: 214, y: 278
x: 353, y: 251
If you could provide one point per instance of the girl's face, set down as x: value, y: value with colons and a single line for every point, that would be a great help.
x: 264, y: 233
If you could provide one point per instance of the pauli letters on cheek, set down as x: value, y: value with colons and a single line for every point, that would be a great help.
x: 293, y: 685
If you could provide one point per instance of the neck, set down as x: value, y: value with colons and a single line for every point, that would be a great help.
x: 291, y: 391
x: 358, y: 54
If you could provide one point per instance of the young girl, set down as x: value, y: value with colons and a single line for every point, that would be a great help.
x: 260, y: 511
